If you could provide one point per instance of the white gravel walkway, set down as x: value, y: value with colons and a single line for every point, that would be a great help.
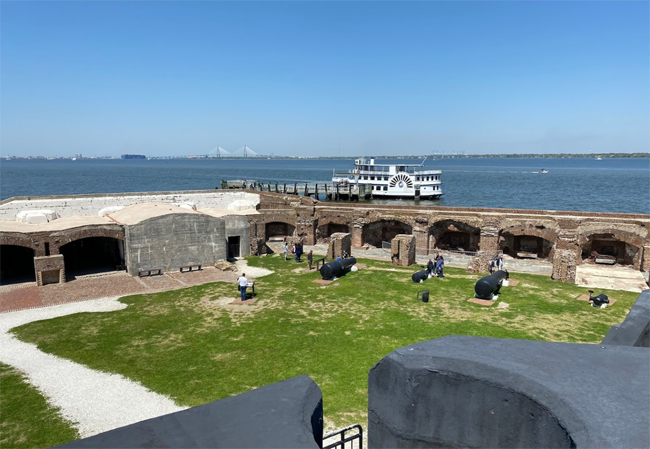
x: 93, y: 401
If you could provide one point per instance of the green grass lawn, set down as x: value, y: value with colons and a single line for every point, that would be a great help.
x: 194, y: 346
x: 26, y: 420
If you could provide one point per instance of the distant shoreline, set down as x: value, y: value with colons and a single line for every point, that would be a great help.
x: 429, y: 156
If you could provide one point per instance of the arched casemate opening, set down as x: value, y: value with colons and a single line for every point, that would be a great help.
x: 92, y: 255
x: 383, y: 231
x: 324, y: 232
x: 524, y: 246
x: 279, y: 229
x: 606, y: 249
x: 16, y: 264
x: 453, y: 235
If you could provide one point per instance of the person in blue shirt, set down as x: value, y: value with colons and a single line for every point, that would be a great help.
x: 439, y: 266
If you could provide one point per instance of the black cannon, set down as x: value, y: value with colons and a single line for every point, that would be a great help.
x: 336, y: 268
x: 489, y: 286
x: 598, y: 301
x: 420, y: 276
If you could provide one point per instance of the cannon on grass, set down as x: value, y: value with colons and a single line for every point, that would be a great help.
x: 336, y: 268
x: 420, y: 276
x: 600, y: 301
x: 489, y: 286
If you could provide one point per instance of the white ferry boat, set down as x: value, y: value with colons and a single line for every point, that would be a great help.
x: 409, y: 181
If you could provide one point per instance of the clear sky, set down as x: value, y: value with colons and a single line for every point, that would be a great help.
x: 315, y: 78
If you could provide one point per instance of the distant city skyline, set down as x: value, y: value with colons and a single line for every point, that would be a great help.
x: 324, y: 78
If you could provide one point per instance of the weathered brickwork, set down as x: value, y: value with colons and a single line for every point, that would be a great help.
x: 49, y: 270
x: 339, y: 242
x: 565, y: 238
x: 402, y: 250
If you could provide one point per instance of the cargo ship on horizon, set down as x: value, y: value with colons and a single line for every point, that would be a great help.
x: 133, y: 156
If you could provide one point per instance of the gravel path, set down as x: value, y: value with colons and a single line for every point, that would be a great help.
x: 93, y: 401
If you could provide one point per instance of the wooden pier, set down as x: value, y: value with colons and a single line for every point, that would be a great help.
x: 329, y: 190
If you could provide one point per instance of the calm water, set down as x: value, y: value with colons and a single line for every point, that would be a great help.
x: 609, y: 185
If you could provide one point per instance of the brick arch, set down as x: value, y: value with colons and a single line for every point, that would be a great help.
x: 622, y: 246
x: 58, y: 239
x: 327, y: 227
x: 384, y: 230
x: 16, y: 262
x: 278, y: 228
x: 18, y: 240
x: 545, y: 233
x: 453, y: 234
x: 624, y: 236
x: 519, y: 241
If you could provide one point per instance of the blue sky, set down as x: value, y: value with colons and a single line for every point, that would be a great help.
x: 316, y: 78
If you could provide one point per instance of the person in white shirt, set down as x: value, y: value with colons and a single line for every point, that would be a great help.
x: 243, y: 283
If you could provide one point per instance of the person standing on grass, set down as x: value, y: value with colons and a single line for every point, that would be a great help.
x: 439, y: 267
x: 310, y: 258
x: 285, y: 248
x: 243, y: 283
x: 430, y: 268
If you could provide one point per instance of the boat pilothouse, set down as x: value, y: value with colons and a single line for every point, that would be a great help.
x: 399, y: 180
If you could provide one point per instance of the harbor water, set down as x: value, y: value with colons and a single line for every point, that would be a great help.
x: 572, y: 184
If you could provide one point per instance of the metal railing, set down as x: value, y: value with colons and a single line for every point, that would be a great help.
x: 343, y: 440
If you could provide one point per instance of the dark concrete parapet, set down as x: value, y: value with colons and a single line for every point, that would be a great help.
x: 287, y: 414
x: 635, y: 330
x: 483, y: 392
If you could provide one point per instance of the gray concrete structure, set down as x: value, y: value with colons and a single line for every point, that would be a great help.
x: 238, y: 229
x: 484, y: 392
x: 635, y: 330
x: 175, y: 240
x: 287, y: 414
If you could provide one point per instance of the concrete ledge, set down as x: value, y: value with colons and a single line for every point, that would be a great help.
x: 635, y: 329
x: 483, y: 392
x: 287, y: 414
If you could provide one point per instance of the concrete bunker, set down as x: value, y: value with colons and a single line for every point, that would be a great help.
x: 16, y: 264
x: 383, y: 231
x: 92, y: 255
x: 453, y: 235
x: 607, y: 249
x: 279, y: 229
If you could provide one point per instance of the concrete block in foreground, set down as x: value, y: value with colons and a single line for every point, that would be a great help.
x: 635, y: 329
x: 287, y: 414
x: 485, y: 392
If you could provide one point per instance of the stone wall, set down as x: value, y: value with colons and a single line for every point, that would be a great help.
x: 339, y: 242
x: 402, y: 250
x: 49, y: 270
x: 171, y: 241
x: 91, y: 205
x: 559, y: 236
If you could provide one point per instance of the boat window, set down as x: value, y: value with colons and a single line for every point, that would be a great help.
x: 365, y: 177
x: 372, y: 178
x: 385, y: 187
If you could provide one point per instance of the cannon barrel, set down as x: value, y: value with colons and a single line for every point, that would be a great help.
x: 489, y: 286
x: 336, y: 268
x: 420, y: 276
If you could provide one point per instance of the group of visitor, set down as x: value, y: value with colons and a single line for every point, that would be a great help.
x: 496, y: 264
x: 436, y: 268
x: 297, y: 251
